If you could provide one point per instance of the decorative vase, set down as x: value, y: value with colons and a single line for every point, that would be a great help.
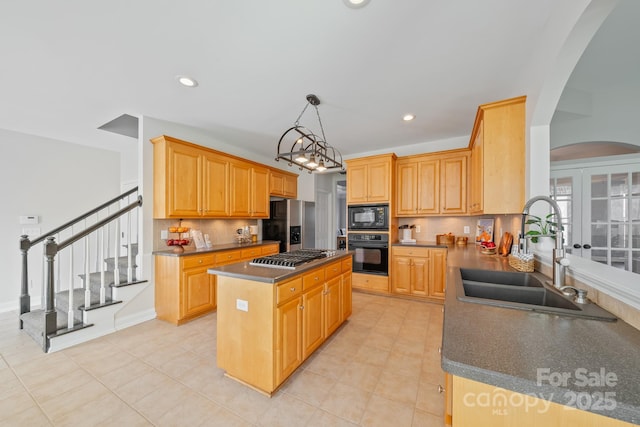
x: 545, y: 244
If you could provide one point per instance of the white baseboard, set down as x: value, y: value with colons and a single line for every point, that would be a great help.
x: 15, y: 305
x: 133, y: 319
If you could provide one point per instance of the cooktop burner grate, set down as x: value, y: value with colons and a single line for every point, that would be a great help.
x: 289, y: 260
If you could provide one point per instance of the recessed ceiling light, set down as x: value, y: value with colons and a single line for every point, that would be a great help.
x: 408, y: 117
x: 187, y: 81
x: 356, y: 4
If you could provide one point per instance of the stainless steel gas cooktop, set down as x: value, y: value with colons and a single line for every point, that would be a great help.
x: 289, y: 260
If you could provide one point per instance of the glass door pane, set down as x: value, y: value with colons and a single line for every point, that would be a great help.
x: 565, y: 189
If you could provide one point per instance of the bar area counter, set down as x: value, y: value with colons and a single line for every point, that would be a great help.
x: 269, y: 320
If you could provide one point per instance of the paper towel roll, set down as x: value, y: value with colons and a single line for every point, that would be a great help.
x: 253, y: 229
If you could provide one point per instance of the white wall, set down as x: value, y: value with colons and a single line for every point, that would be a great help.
x: 55, y: 180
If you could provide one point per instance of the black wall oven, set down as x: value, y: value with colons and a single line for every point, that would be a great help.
x: 368, y: 217
x: 370, y: 253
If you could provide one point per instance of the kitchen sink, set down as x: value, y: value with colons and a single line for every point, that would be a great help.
x: 522, y: 291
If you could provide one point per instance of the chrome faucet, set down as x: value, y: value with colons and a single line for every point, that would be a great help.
x: 560, y: 262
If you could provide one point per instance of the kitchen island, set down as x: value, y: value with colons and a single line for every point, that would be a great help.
x: 269, y: 320
x: 514, y: 367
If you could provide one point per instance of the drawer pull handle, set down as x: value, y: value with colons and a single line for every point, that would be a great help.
x: 441, y: 389
x: 293, y: 289
x: 200, y: 261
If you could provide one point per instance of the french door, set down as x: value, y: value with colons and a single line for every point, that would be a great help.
x: 601, y: 210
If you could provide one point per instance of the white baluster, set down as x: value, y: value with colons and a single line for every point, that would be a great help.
x: 116, y: 268
x: 70, y: 320
x: 103, y: 297
x: 129, y: 263
x: 87, y: 278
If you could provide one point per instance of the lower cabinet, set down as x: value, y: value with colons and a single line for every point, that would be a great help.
x: 289, y: 343
x: 418, y: 271
x: 183, y: 288
x: 483, y: 405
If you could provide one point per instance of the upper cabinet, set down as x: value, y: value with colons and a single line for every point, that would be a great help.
x: 283, y: 184
x: 370, y: 179
x: 497, y: 175
x: 191, y: 181
x: 250, y: 194
x: 432, y: 184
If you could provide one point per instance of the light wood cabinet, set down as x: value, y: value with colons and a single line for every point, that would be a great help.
x: 498, y: 158
x: 284, y: 324
x: 469, y: 409
x: 432, y: 184
x: 191, y: 181
x: 418, y: 271
x: 250, y: 195
x: 289, y: 338
x: 283, y: 184
x: 183, y: 288
x: 370, y: 179
x: 370, y: 282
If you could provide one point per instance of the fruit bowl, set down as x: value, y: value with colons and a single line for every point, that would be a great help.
x: 177, y: 242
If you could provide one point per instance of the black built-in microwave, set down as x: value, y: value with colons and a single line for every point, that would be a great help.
x: 368, y: 217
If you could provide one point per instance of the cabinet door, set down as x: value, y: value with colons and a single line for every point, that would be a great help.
x: 401, y: 274
x: 276, y: 184
x: 420, y: 276
x: 332, y: 309
x: 428, y: 176
x: 289, y: 339
x: 260, y: 192
x: 346, y: 301
x: 199, y: 291
x: 357, y: 183
x: 184, y: 183
x: 406, y: 188
x: 437, y: 272
x: 290, y: 186
x: 453, y: 185
x: 378, y: 181
x: 312, y: 320
x: 240, y: 180
x: 477, y: 177
x: 215, y: 174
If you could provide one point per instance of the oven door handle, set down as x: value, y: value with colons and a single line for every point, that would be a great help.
x: 366, y: 246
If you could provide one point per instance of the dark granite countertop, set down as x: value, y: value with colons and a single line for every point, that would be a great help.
x: 525, y: 351
x: 243, y: 270
x: 214, y: 248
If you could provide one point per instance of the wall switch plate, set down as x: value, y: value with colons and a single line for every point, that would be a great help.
x: 466, y: 229
x: 164, y: 234
x: 242, y: 305
x: 417, y: 228
x: 32, y: 232
x: 29, y: 219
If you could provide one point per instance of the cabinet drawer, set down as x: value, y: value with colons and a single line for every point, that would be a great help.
x: 227, y: 257
x: 270, y: 249
x: 332, y: 270
x: 198, y: 261
x: 251, y: 252
x: 347, y: 264
x: 288, y: 290
x: 312, y: 279
x: 403, y: 251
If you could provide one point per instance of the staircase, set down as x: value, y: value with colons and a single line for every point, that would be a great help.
x: 80, y: 304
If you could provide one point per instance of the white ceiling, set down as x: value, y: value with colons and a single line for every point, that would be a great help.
x: 70, y: 67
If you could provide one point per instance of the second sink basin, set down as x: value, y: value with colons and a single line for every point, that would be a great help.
x: 522, y: 291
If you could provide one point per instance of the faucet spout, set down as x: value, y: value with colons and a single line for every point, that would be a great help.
x: 559, y: 260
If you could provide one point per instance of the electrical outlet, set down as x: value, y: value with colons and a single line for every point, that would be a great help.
x: 242, y: 305
x: 164, y: 234
x: 417, y: 228
x: 466, y: 229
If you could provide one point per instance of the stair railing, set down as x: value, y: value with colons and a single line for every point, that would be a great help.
x: 50, y: 248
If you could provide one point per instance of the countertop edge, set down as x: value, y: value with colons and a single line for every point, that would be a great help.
x: 215, y: 248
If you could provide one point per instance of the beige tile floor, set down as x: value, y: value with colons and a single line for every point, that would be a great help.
x: 381, y: 368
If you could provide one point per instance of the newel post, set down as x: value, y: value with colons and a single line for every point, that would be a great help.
x: 50, y: 315
x: 25, y: 299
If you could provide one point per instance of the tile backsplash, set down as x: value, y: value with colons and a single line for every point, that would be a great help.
x: 220, y: 231
x: 430, y: 226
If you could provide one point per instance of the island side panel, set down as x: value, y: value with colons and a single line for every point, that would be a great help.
x: 245, y: 339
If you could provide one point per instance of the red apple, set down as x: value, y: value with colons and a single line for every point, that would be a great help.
x: 169, y: 242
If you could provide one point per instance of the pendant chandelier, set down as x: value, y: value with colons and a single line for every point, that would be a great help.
x: 308, y: 150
